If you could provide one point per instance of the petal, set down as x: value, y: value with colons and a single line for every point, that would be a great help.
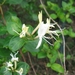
x: 42, y: 29
x: 47, y: 41
x: 24, y: 28
x: 16, y: 53
x: 54, y: 32
x: 48, y: 21
x: 40, y: 17
x: 11, y: 55
x: 39, y: 43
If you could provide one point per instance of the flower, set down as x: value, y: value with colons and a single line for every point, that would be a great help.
x: 14, y: 58
x: 45, y: 28
x: 9, y: 64
x: 23, y: 32
x: 20, y: 71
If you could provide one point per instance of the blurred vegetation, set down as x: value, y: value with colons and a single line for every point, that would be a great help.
x: 14, y: 13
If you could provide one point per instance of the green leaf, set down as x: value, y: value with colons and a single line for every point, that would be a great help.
x: 53, y: 6
x: 57, y: 45
x: 54, y: 56
x: 48, y: 65
x: 24, y: 4
x: 16, y: 43
x: 57, y: 67
x: 72, y: 10
x: 49, y: 3
x: 69, y: 20
x: 31, y: 46
x: 4, y: 53
x: 64, y: 5
x: 4, y: 42
x: 72, y: 34
x: 34, y: 17
x: 13, y: 23
x: 61, y: 16
x: 7, y: 72
x: 14, y: 1
x: 25, y: 67
x: 54, y: 16
x: 3, y: 71
x: 67, y: 15
x: 46, y: 47
x: 65, y: 32
x: 49, y: 55
x: 30, y: 29
x: 3, y: 30
x: 41, y: 55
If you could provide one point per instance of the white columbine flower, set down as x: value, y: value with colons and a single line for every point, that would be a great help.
x: 14, y: 58
x: 23, y: 32
x: 20, y: 71
x: 43, y: 29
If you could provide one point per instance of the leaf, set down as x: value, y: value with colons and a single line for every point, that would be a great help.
x: 48, y: 65
x: 3, y: 30
x: 13, y: 23
x: 30, y: 29
x: 54, y: 56
x: 24, y: 4
x: 46, y: 46
x: 72, y: 10
x: 65, y: 32
x: 14, y: 1
x: 57, y: 67
x: 3, y: 71
x: 53, y: 6
x: 41, y: 55
x: 64, y: 5
x: 54, y: 16
x: 4, y: 53
x: 69, y: 20
x: 49, y: 3
x: 72, y: 34
x: 16, y: 43
x: 31, y: 46
x: 7, y: 72
x: 34, y: 17
x: 25, y: 67
x: 61, y: 16
x: 57, y: 45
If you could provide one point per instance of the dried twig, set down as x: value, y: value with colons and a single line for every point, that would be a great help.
x: 2, y: 15
x: 61, y: 33
x: 31, y: 64
x: 22, y: 56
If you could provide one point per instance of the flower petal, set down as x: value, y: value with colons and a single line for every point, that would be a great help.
x: 40, y: 17
x: 39, y: 43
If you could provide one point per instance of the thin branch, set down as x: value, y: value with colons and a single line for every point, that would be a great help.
x: 31, y: 64
x: 2, y: 15
x: 60, y: 30
x: 22, y: 56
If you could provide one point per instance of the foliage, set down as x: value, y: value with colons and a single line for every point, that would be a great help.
x: 63, y: 12
x: 14, y: 37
